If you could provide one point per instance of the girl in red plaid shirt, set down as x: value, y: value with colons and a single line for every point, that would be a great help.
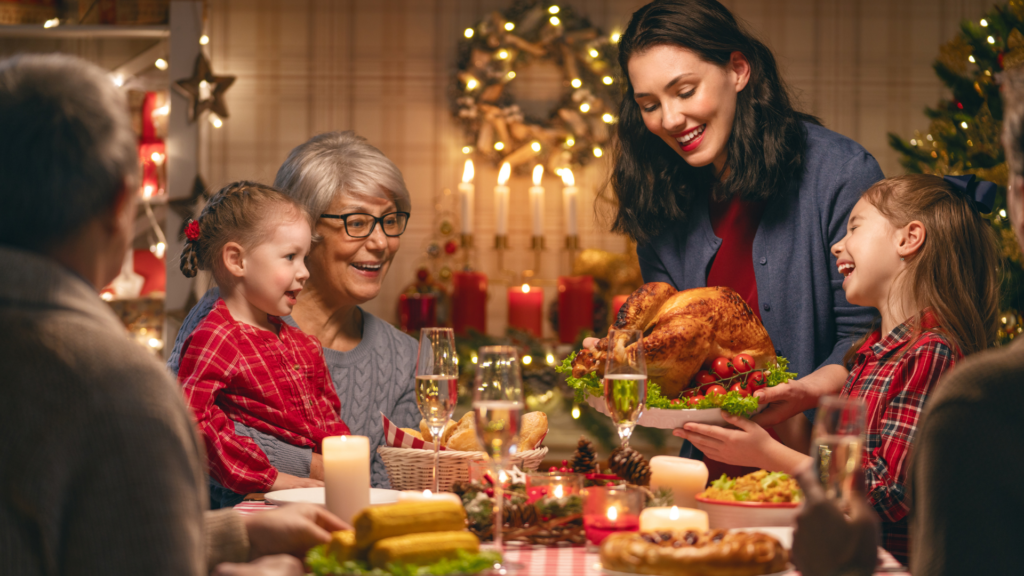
x: 242, y: 363
x: 918, y: 250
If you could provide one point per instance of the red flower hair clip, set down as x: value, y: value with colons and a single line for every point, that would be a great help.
x: 192, y: 231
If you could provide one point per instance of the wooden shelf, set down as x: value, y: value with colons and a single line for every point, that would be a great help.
x: 84, y: 31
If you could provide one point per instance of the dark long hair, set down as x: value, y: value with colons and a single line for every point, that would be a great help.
x: 654, y: 186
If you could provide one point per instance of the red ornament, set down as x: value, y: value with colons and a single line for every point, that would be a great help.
x: 192, y: 231
x: 489, y: 492
x: 960, y: 105
x: 999, y: 58
x: 553, y: 469
x: 450, y: 247
x: 422, y: 274
x: 564, y: 470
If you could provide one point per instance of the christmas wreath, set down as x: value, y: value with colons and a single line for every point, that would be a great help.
x: 531, y: 31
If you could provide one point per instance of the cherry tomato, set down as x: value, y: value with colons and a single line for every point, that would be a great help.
x: 716, y: 389
x: 705, y: 377
x: 743, y: 362
x: 695, y: 400
x: 755, y: 381
x: 723, y: 367
x: 738, y: 387
x: 674, y: 401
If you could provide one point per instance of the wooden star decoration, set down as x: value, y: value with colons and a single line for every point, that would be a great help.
x: 186, y: 207
x: 189, y: 88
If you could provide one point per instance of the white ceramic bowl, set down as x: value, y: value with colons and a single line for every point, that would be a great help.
x: 748, y: 514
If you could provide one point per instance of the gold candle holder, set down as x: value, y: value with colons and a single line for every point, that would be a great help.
x: 537, y: 245
x: 572, y: 244
x: 500, y: 245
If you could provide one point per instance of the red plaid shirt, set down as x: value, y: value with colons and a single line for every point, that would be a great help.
x: 278, y: 384
x: 894, y: 376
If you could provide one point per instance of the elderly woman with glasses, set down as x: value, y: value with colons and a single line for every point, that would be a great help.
x: 363, y: 207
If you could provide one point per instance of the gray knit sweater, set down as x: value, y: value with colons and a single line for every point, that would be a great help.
x: 376, y: 376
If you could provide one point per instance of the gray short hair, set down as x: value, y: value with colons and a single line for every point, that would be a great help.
x: 333, y: 163
x: 66, y: 147
x: 1012, y: 87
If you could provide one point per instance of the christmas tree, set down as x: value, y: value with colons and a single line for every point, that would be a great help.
x: 964, y: 134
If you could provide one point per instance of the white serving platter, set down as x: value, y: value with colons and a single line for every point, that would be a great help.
x: 378, y: 496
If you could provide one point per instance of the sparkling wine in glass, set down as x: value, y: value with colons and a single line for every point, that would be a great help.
x: 837, y: 444
x: 498, y: 402
x: 625, y: 380
x: 437, y: 385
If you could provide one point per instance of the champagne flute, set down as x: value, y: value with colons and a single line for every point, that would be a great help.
x: 498, y: 402
x: 625, y: 380
x: 837, y: 444
x: 437, y: 385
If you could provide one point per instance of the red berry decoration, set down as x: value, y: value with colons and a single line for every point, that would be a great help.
x: 610, y: 484
x: 565, y: 462
x: 743, y: 362
x: 723, y: 367
x: 564, y: 469
x: 450, y: 247
x: 489, y: 492
x: 553, y: 469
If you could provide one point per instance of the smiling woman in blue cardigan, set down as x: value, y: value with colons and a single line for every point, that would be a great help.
x: 722, y: 183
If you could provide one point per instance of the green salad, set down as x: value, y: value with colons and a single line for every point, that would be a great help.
x: 732, y: 402
x: 322, y: 563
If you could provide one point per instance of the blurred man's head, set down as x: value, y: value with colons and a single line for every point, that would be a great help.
x: 1013, y: 143
x: 68, y: 162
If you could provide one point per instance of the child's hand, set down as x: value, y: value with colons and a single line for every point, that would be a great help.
x: 742, y: 447
x: 316, y: 467
x: 286, y: 481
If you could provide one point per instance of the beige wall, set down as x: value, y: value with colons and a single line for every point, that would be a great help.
x: 382, y: 68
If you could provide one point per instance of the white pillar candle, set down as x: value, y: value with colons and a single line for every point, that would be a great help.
x: 684, y: 476
x: 501, y: 200
x: 467, y: 192
x: 428, y: 496
x: 570, y: 197
x: 537, y: 201
x: 674, y: 518
x: 347, y: 475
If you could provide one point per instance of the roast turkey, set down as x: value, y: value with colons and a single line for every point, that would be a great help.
x: 684, y: 330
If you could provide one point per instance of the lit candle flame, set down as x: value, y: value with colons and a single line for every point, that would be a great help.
x: 467, y: 172
x: 428, y: 493
x: 526, y: 288
x: 558, y: 491
x: 506, y: 171
x: 567, y: 178
x: 673, y: 515
x: 613, y: 513
x: 502, y: 477
x: 538, y: 173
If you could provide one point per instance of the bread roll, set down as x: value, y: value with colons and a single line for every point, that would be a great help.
x: 427, y: 436
x: 412, y: 432
x: 465, y: 439
x: 532, y: 429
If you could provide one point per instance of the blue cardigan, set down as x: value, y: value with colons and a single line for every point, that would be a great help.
x: 799, y: 288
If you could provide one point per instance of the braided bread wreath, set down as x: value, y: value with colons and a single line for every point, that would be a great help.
x: 676, y: 553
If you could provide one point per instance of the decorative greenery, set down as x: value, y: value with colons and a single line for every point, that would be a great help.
x: 323, y: 563
x: 964, y: 134
x: 491, y: 53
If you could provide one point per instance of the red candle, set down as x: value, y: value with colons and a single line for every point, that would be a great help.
x: 617, y: 303
x: 417, y: 311
x: 525, y: 305
x: 575, y: 306
x: 469, y: 302
x: 599, y: 526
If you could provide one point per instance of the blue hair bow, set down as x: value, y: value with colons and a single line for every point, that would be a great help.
x: 982, y: 192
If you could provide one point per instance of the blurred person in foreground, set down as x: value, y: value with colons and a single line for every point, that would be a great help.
x: 966, y: 471
x: 100, y: 464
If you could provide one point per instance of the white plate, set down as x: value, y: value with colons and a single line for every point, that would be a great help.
x: 670, y: 419
x: 378, y: 496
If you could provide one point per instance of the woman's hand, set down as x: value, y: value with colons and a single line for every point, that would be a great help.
x: 280, y: 565
x: 826, y: 541
x: 749, y: 445
x: 292, y: 529
x: 789, y: 399
x: 591, y: 343
x: 286, y: 481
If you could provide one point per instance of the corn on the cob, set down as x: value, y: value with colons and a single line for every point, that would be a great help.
x: 343, y: 545
x: 379, y: 522
x: 424, y: 548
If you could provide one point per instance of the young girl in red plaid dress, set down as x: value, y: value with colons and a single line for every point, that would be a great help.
x: 242, y: 364
x: 917, y: 250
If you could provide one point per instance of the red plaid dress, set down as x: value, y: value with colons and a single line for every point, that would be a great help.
x: 894, y: 376
x: 278, y: 384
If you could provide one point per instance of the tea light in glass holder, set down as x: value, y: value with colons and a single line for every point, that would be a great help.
x: 611, y: 509
x: 428, y: 496
x: 674, y: 518
x: 552, y: 485
x: 480, y: 470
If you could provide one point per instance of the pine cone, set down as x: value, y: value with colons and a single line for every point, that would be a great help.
x: 460, y: 487
x: 519, y: 515
x: 584, y: 460
x: 630, y: 465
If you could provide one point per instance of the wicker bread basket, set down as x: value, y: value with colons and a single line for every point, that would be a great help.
x: 413, y: 469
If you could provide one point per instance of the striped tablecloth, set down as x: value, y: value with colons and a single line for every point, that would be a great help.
x: 573, y: 561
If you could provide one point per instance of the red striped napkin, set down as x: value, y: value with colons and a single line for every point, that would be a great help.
x: 398, y: 438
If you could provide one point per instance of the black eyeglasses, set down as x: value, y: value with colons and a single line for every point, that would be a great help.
x: 362, y: 225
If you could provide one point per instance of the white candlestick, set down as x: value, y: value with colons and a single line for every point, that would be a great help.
x: 570, y: 194
x: 684, y: 476
x: 501, y: 200
x: 347, y: 475
x: 427, y: 496
x: 673, y: 518
x: 537, y: 201
x: 467, y: 193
